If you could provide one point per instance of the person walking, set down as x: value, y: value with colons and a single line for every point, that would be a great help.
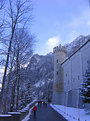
x: 34, y: 109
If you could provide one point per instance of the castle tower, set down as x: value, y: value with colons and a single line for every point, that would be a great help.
x: 58, y: 86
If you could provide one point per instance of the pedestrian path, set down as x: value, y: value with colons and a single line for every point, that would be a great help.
x: 72, y: 113
x: 46, y: 113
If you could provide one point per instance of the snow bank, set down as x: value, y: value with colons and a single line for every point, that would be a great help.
x: 17, y: 113
x: 28, y: 106
x: 28, y: 116
x: 72, y: 114
x: 4, y: 115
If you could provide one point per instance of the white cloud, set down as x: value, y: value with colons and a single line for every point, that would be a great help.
x: 88, y: 23
x: 49, y: 45
x: 52, y: 42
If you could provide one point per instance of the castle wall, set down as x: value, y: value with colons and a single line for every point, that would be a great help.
x: 85, y: 56
x: 74, y: 69
x: 58, y: 86
x: 70, y: 75
x: 73, y: 72
x: 58, y: 98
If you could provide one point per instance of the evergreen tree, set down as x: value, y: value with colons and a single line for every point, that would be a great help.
x: 85, y: 90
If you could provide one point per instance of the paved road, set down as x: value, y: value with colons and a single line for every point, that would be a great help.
x: 46, y: 113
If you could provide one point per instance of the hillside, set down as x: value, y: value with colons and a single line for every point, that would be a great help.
x: 75, y: 44
x: 40, y: 74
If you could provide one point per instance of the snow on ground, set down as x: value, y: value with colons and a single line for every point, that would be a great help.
x: 28, y: 116
x: 72, y: 114
x: 5, y: 115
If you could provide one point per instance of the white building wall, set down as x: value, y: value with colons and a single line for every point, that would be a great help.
x: 74, y: 69
x: 73, y: 72
x: 85, y: 55
x: 67, y: 76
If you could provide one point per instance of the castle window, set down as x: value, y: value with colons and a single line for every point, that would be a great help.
x: 73, y: 79
x: 56, y: 85
x: 57, y: 60
x: 87, y: 61
x: 66, y: 75
x: 57, y: 72
x: 78, y: 77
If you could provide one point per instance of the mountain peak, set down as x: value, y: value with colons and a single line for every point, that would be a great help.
x: 76, y: 44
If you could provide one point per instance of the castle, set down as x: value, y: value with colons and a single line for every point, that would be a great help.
x: 68, y: 75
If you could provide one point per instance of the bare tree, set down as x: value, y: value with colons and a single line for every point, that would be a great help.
x: 9, y: 78
x: 24, y: 43
x: 22, y: 52
x: 19, y: 14
x: 1, y: 18
x: 2, y: 2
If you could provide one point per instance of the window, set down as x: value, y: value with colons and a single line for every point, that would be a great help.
x: 57, y: 60
x: 78, y: 77
x: 57, y: 72
x: 87, y: 61
x: 68, y: 81
x: 57, y: 85
x: 73, y: 79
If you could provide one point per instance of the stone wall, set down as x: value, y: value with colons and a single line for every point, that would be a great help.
x: 58, y: 86
x: 68, y: 75
x: 58, y: 98
x: 74, y: 69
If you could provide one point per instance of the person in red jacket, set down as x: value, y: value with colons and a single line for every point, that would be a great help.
x: 34, y: 109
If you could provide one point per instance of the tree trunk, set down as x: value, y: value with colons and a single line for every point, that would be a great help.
x: 17, y: 76
x: 13, y: 97
x: 4, y: 76
x: 7, y: 60
x: 9, y: 78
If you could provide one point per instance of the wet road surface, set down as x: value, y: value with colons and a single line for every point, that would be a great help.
x: 46, y: 113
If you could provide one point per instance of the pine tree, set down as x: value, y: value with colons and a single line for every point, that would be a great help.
x: 85, y: 90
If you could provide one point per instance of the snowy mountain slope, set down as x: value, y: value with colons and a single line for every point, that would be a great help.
x: 77, y: 43
x: 40, y: 74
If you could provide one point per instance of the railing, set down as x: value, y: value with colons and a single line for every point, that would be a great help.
x: 19, y: 115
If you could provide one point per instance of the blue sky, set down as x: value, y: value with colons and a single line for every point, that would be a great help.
x: 58, y: 22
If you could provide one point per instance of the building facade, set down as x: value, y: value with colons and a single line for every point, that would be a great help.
x: 68, y: 75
